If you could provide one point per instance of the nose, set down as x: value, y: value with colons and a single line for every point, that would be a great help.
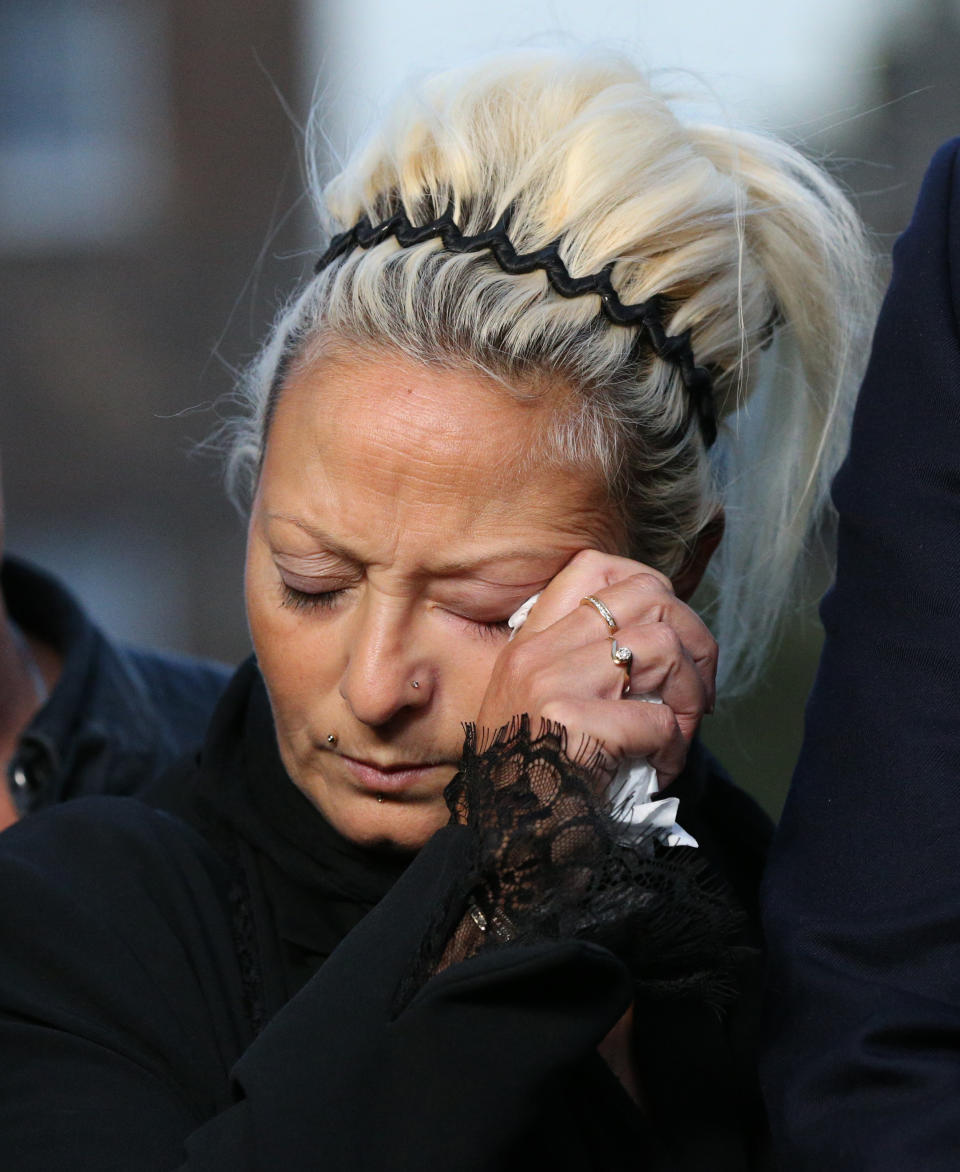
x: 383, y: 665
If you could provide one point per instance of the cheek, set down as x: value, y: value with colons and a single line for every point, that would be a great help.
x: 464, y: 666
x: 298, y: 659
x: 303, y: 660
x: 262, y: 600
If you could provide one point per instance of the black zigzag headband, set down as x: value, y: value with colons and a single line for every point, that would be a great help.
x: 674, y: 349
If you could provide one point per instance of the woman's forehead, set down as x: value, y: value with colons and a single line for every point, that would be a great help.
x: 401, y: 418
x: 384, y: 386
x: 409, y: 450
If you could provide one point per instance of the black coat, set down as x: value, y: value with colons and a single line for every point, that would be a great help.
x: 167, y: 999
x: 117, y: 716
x: 863, y: 895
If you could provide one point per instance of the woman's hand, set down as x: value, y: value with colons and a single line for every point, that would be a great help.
x: 560, y: 668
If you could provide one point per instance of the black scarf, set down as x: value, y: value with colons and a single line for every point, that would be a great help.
x: 317, y: 884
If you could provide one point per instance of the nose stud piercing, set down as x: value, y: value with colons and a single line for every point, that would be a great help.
x: 331, y: 738
x: 414, y: 683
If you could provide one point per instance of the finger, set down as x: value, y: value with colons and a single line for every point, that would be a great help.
x: 643, y: 599
x: 588, y: 572
x: 588, y: 672
x: 661, y: 666
x: 625, y: 730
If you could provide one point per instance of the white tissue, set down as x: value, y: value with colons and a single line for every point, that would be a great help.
x: 632, y: 792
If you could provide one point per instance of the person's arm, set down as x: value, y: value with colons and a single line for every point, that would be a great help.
x: 862, y: 894
x: 419, y: 1043
x: 124, y: 1045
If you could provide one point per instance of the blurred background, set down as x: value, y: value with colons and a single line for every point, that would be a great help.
x: 151, y: 222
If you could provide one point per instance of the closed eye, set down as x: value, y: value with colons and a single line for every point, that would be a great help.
x: 492, y: 630
x: 486, y: 629
x: 295, y: 599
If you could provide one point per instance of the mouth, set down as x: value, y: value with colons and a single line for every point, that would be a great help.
x: 394, y: 778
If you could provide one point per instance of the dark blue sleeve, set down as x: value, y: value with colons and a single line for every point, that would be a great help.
x: 862, y: 895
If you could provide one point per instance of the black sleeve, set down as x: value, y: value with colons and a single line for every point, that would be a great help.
x: 550, y: 862
x: 119, y: 995
x: 862, y: 899
x: 123, y: 1040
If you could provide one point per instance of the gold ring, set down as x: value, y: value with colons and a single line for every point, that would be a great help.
x: 602, y: 610
x: 622, y: 657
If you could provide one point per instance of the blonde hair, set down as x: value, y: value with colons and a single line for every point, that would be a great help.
x: 749, y: 246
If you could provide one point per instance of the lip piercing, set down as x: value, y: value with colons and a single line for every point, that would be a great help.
x: 414, y: 683
x: 379, y: 797
x: 331, y: 738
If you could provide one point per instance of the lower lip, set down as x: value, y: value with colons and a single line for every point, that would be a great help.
x: 378, y: 781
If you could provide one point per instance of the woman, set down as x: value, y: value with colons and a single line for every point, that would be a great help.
x: 544, y: 296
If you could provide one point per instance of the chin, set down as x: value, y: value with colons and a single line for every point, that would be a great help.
x: 395, y: 824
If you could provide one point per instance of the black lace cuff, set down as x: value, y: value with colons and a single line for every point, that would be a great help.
x: 548, y: 864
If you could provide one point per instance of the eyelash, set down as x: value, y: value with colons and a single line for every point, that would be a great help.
x: 327, y: 600
x: 489, y: 630
x: 302, y: 600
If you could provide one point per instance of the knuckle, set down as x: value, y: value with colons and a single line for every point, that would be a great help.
x: 662, y: 724
x: 598, y: 569
x: 710, y: 656
x: 555, y: 711
x: 667, y: 721
x: 527, y: 674
x: 522, y: 657
x: 652, y: 581
x: 711, y: 649
x: 662, y: 642
x: 587, y: 559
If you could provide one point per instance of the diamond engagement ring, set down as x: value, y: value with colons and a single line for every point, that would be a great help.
x: 622, y: 657
x: 602, y: 610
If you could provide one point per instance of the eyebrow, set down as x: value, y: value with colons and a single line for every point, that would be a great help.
x: 445, y: 569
